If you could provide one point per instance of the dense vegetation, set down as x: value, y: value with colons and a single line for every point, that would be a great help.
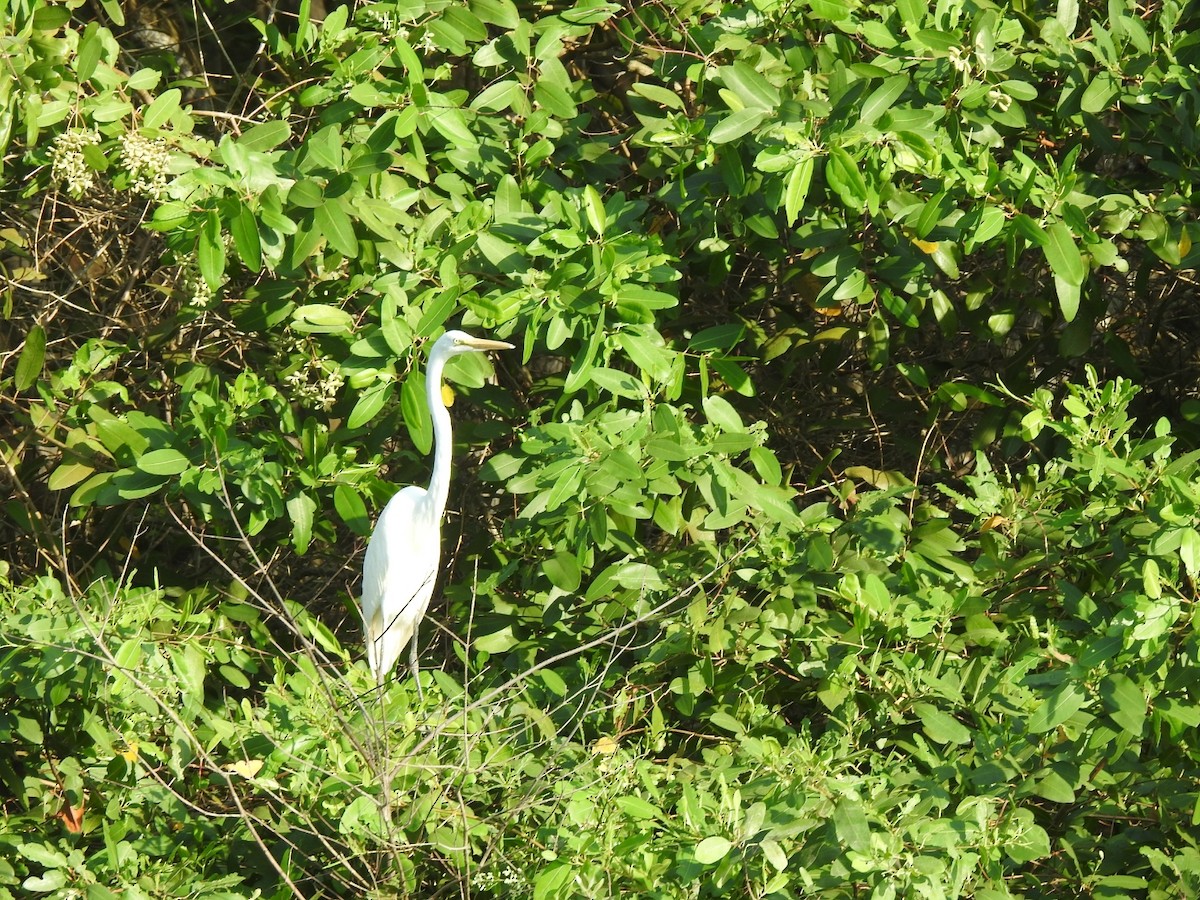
x: 816, y: 541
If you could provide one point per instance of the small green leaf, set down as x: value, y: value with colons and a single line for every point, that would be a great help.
x: 563, y: 571
x: 593, y: 205
x: 882, y: 98
x: 335, y: 224
x: 637, y: 808
x: 320, y: 318
x: 32, y: 358
x: 497, y: 642
x: 712, y: 850
x: 720, y: 412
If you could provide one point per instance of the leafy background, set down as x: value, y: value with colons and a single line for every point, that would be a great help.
x: 832, y: 530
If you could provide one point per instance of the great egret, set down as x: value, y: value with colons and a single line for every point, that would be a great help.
x: 402, y: 557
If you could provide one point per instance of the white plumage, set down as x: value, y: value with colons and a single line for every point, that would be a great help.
x: 401, y: 565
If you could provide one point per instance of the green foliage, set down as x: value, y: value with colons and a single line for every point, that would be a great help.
x: 901, y: 703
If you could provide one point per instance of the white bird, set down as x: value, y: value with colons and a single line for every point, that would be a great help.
x: 402, y: 557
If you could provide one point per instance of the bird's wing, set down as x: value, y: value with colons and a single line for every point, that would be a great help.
x: 398, y: 576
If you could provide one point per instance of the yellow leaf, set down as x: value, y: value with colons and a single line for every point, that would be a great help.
x: 247, y: 768
x: 604, y: 746
x: 130, y: 753
x: 930, y: 247
x: 447, y: 395
x: 993, y: 522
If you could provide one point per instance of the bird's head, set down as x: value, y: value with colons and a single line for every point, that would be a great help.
x: 452, y: 343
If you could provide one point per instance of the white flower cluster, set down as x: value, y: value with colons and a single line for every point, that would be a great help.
x: 147, y: 161
x: 67, y: 165
x: 195, y: 288
x: 315, y: 384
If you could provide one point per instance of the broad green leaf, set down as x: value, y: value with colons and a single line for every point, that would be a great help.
x: 1124, y: 702
x: 941, y: 727
x: 712, y: 849
x: 638, y: 808
x: 32, y: 358
x: 850, y: 824
x: 1063, y: 254
x: 1100, y: 93
x: 68, y: 474
x: 301, y: 510
x: 415, y: 409
x: 882, y: 98
x: 593, y: 206
x: 774, y: 854
x: 368, y: 405
x: 841, y: 171
x: 88, y: 55
x: 737, y: 124
x: 721, y: 413
x: 320, y: 318
x: 496, y: 642
x: 163, y: 462
x: 563, y: 571
x: 159, y: 112
x: 350, y: 506
x: 551, y: 883
x: 244, y: 227
x: 750, y: 87
x: 1057, y: 708
x: 333, y: 222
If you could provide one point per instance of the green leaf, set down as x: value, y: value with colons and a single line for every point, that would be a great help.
x: 1063, y: 254
x: 1057, y: 708
x: 774, y: 854
x: 416, y: 412
x: 1100, y: 93
x: 841, y: 171
x: 333, y: 222
x: 32, y: 358
x: 737, y: 124
x: 68, y: 474
x: 368, y: 405
x: 638, y: 808
x: 563, y: 571
x: 163, y: 462
x: 850, y: 824
x: 244, y: 227
x: 302, y: 511
x: 320, y: 318
x: 1124, y: 702
x: 90, y: 48
x: 210, y: 251
x: 720, y: 412
x: 750, y: 87
x: 712, y: 850
x: 796, y: 190
x: 496, y: 642
x: 551, y: 882
x: 159, y: 112
x: 941, y: 727
x: 882, y: 98
x: 593, y: 205
x: 350, y: 506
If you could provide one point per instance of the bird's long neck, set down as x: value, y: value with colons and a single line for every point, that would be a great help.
x: 443, y: 444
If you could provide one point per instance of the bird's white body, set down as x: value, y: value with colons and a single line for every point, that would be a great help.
x: 401, y: 564
x: 399, y: 573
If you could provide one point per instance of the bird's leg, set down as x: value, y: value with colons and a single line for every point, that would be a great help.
x: 415, y: 666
